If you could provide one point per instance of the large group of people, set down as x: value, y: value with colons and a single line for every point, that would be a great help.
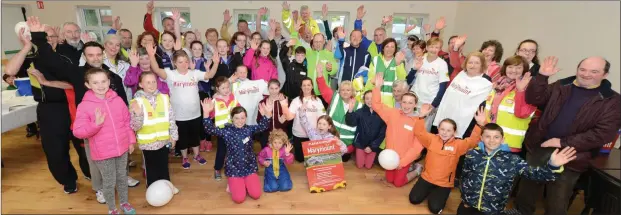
x: 456, y: 119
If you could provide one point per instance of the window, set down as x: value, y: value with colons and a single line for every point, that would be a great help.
x: 161, y: 13
x: 399, y: 24
x: 95, y: 20
x: 251, y: 16
x: 335, y: 19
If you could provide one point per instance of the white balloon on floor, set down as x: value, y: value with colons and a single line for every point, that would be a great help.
x: 389, y: 159
x: 160, y: 193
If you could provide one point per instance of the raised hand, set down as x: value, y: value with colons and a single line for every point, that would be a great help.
x: 294, y: 15
x: 324, y: 11
x: 440, y: 23
x: 192, y: 64
x: 329, y: 66
x: 198, y: 34
x: 409, y: 28
x: 136, y: 108
x: 261, y: 13
x: 99, y: 117
x: 215, y: 59
x: 351, y: 104
x: 282, y: 119
x: 459, y: 42
x: 281, y: 97
x: 116, y: 23
x: 150, y: 50
x: 134, y: 58
x: 227, y: 16
x: 285, y: 6
x: 522, y: 83
x: 150, y: 7
x: 399, y: 57
x: 176, y: 14
x: 360, y: 12
x: 266, y: 109
x: 319, y: 70
x: 564, y: 156
x: 34, y: 25
x: 24, y: 39
x: 425, y: 110
x: 254, y: 45
x: 418, y: 63
x: 379, y: 80
x: 208, y: 106
x: 291, y: 42
x: 298, y: 24
x: 341, y: 32
x: 480, y: 116
x: 386, y: 19
x: 86, y: 37
x: 288, y: 148
x: 548, y: 68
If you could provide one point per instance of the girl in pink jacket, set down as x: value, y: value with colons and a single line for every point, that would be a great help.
x: 262, y: 65
x: 103, y: 118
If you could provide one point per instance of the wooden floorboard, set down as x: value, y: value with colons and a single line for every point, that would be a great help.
x: 29, y: 188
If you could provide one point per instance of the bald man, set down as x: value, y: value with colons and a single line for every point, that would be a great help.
x: 583, y: 112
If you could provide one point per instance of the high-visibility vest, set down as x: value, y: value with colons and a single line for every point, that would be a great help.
x: 337, y: 113
x: 156, y: 122
x: 223, y: 112
x: 514, y: 128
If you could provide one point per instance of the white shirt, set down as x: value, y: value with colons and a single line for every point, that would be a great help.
x: 249, y: 93
x: 314, y: 110
x: 462, y: 99
x: 184, y: 93
x: 428, y: 79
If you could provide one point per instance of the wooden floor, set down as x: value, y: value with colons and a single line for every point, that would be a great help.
x: 29, y: 188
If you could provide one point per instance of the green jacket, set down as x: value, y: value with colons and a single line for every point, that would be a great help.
x: 312, y: 58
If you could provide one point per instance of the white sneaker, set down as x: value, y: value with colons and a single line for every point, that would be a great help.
x: 100, y: 197
x: 131, y: 182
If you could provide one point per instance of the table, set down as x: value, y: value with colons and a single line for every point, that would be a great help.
x: 604, y: 184
x: 17, y: 111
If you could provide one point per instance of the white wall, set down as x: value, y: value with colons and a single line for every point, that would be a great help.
x: 569, y: 30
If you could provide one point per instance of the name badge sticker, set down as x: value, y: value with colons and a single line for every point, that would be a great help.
x: 302, y: 73
x: 409, y: 128
x: 246, y: 140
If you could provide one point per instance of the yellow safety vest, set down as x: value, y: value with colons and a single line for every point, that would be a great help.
x: 223, y: 113
x: 156, y: 123
x: 514, y: 128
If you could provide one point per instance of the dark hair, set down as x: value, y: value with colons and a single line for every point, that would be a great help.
x: 93, y: 71
x: 332, y: 130
x: 536, y: 58
x: 273, y: 81
x: 142, y: 75
x: 200, y: 43
x: 5, y: 76
x: 185, y: 34
x: 256, y: 33
x: 93, y: 44
x: 497, y: 45
x: 171, y: 34
x: 257, y: 53
x: 421, y: 44
x: 312, y: 90
x: 141, y: 36
x: 242, y: 21
x: 167, y: 18
x: 300, y: 50
x: 412, y: 94
x: 449, y: 121
x: 212, y: 30
x: 606, y: 67
x: 125, y: 30
x: 390, y: 40
x: 355, y: 30
x: 221, y: 80
x: 142, y: 51
x: 179, y: 53
x: 514, y: 61
x: 234, y: 37
x: 492, y: 127
x: 237, y: 110
x: 228, y: 50
x: 413, y: 38
x: 365, y: 93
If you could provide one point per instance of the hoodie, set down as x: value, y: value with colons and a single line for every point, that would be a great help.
x: 114, y: 136
x: 352, y: 59
x: 136, y: 121
x: 295, y: 73
x: 262, y: 67
x: 131, y: 80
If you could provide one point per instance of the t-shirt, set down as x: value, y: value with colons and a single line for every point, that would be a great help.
x: 314, y: 110
x: 184, y: 93
x: 428, y: 79
x: 249, y: 93
x: 462, y: 99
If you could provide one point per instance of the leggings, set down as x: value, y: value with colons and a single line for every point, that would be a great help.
x: 364, y: 159
x: 298, y: 153
x: 398, y: 177
x: 437, y: 195
x: 114, y: 173
x: 220, y: 154
x: 156, y: 165
x: 96, y: 178
x: 239, y: 185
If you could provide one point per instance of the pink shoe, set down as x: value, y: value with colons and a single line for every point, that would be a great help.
x: 209, y: 146
x: 203, y: 146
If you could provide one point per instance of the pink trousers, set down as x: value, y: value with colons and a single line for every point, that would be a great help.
x: 242, y: 186
x: 364, y: 159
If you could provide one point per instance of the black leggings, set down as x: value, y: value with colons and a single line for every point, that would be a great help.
x: 220, y: 154
x: 156, y: 165
x: 298, y: 153
x: 437, y: 195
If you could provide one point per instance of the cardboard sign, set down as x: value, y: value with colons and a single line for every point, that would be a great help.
x: 40, y: 5
x: 324, y: 166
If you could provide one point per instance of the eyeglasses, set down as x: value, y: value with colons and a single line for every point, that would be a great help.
x: 528, y: 51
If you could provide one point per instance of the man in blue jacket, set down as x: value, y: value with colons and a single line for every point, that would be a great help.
x: 353, y: 57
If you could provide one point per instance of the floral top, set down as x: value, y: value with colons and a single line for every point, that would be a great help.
x: 314, y: 134
x: 136, y: 121
x: 241, y: 160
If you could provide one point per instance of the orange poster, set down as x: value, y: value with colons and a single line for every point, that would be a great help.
x: 324, y: 167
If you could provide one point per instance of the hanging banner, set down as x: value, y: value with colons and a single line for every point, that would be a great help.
x: 324, y: 166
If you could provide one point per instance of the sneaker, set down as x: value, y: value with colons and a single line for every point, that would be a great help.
x: 70, y: 188
x: 177, y: 154
x: 115, y: 211
x: 131, y: 182
x: 209, y: 146
x: 100, y: 197
x: 512, y: 211
x: 200, y: 159
x: 186, y: 163
x: 217, y: 175
x: 417, y: 167
x: 203, y: 146
x: 128, y: 209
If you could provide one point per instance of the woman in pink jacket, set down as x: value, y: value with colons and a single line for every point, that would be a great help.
x: 261, y: 64
x: 103, y: 118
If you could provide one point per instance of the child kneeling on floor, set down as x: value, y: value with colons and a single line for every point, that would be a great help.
x: 103, y: 118
x: 489, y: 171
x: 274, y: 158
x: 241, y: 162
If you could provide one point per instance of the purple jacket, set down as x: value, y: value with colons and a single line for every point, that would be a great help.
x: 132, y: 76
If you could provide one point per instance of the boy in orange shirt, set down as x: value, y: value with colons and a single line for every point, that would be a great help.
x: 399, y: 133
x: 443, y: 152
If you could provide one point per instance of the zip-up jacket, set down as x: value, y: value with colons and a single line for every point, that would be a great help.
x: 53, y: 65
x: 352, y: 59
x: 370, y: 128
x: 294, y: 71
x: 488, y: 178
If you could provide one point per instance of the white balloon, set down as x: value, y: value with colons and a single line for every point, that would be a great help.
x: 21, y: 25
x: 160, y: 193
x: 389, y: 159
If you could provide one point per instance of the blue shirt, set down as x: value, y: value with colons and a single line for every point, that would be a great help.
x: 240, y: 158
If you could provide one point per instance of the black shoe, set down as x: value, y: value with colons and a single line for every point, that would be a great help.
x: 30, y: 134
x: 346, y: 157
x: 71, y: 188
